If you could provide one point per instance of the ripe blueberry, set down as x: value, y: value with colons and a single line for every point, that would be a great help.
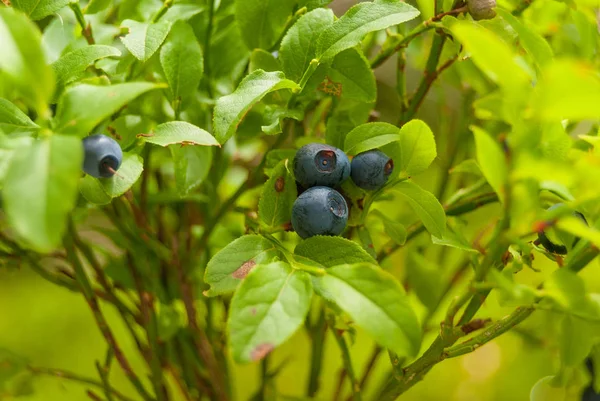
x: 103, y: 156
x: 557, y: 241
x: 319, y: 211
x: 318, y: 164
x: 371, y: 169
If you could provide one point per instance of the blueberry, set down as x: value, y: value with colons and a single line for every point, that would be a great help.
x: 103, y: 156
x: 319, y: 211
x: 557, y: 241
x: 318, y: 164
x: 371, y: 169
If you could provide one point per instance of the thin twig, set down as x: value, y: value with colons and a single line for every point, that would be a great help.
x: 348, y: 368
x: 92, y: 301
x: 86, y: 28
x: 63, y: 374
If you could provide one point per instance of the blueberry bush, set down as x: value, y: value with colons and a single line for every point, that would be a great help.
x: 225, y: 174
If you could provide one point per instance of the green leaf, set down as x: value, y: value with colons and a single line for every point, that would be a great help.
x: 144, y: 39
x: 262, y: 22
x: 576, y: 340
x: 425, y: 205
x: 359, y: 20
x: 22, y: 62
x: 376, y: 302
x: 102, y: 190
x: 268, y: 307
x: 8, y: 147
x: 532, y: 42
x: 332, y: 251
x: 11, y: 365
x: 12, y: 118
x: 578, y: 228
x: 263, y: 60
x: 491, y: 160
x: 182, y: 61
x: 454, y: 239
x: 568, y: 89
x: 299, y: 44
x: 278, y: 196
x: 396, y: 231
x: 180, y: 132
x: 40, y: 190
x: 352, y: 70
x: 38, y: 9
x: 468, y: 166
x: 491, y: 54
x: 192, y: 165
x: 233, y: 263
x: 70, y: 65
x: 547, y: 390
x: 230, y: 110
x: 95, y: 6
x: 417, y: 146
x: 82, y: 107
x: 425, y: 279
x: 370, y: 136
x: 567, y: 290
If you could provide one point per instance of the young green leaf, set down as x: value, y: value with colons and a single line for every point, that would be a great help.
x: 230, y: 109
x: 370, y: 136
x: 192, y: 165
x: 361, y: 19
x: 425, y: 205
x: 22, y: 62
x: 299, y: 44
x: 102, y: 190
x: 263, y: 60
x: 8, y: 147
x: 425, y: 279
x: 233, y: 263
x: 144, y: 39
x: 182, y: 132
x: 491, y: 54
x: 567, y: 290
x: 278, y: 196
x: 396, y: 231
x: 532, y: 42
x: 40, y: 190
x: 82, y: 107
x: 548, y: 389
x: 70, y: 65
x: 376, y: 302
x: 268, y: 307
x: 332, y: 251
x: 417, y: 146
x: 491, y: 160
x: 38, y: 9
x: 577, y: 337
x: 567, y: 90
x: 353, y: 72
x: 181, y: 60
x: 262, y: 22
x: 13, y: 119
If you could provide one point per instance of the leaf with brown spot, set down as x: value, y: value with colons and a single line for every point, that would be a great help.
x: 244, y: 269
x: 268, y: 307
x: 261, y: 351
x: 221, y: 268
x: 278, y: 196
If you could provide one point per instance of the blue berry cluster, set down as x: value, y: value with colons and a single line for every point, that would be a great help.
x: 102, y: 156
x: 320, y: 209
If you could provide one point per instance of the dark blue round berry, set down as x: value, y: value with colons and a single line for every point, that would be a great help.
x: 103, y: 156
x: 319, y: 164
x: 319, y: 211
x: 557, y: 241
x: 371, y: 169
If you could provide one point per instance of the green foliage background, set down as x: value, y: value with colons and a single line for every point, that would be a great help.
x: 530, y: 75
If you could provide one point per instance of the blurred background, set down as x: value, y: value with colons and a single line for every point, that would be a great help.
x: 54, y: 328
